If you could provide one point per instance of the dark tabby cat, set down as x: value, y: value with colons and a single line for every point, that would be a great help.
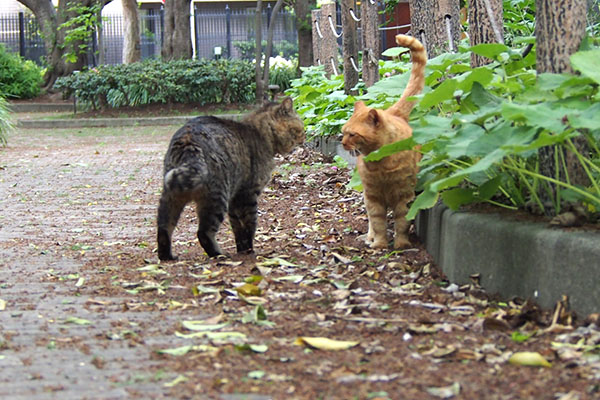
x: 223, y: 166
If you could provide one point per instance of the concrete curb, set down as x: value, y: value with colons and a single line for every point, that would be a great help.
x: 41, y: 107
x: 515, y: 258
x: 109, y: 122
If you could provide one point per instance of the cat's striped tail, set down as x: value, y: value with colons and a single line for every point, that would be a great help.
x: 402, y: 108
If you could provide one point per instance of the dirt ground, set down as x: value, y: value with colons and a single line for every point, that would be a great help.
x: 88, y: 312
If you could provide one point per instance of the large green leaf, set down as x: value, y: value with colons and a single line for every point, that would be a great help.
x: 587, y: 63
x: 441, y: 93
x: 542, y: 115
x: 589, y: 119
x: 389, y: 149
x: 454, y: 198
x: 489, y: 50
x: 425, y: 200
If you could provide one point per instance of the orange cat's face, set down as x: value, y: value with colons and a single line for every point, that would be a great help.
x: 368, y: 129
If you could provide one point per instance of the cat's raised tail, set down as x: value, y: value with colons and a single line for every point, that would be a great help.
x: 402, y: 108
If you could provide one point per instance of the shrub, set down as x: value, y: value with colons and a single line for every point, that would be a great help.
x: 282, y: 72
x: 19, y: 79
x: 5, y: 122
x: 153, y: 81
x: 282, y: 48
x: 480, y: 129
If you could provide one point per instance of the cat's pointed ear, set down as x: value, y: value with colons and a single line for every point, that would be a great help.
x: 359, y: 105
x: 374, y: 117
x: 287, y: 104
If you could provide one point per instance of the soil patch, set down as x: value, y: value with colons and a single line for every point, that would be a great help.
x: 87, y: 310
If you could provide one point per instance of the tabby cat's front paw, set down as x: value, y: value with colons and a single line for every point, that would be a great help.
x: 166, y: 257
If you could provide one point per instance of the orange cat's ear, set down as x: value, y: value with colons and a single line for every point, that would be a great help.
x: 359, y: 105
x: 374, y: 117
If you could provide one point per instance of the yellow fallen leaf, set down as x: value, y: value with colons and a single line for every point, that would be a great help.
x: 322, y: 343
x: 529, y: 358
x: 2, y: 305
x: 248, y: 289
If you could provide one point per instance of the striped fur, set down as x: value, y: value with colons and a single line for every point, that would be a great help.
x: 222, y: 166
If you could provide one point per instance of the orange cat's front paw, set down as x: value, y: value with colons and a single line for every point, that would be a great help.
x: 378, y: 244
x: 401, y: 242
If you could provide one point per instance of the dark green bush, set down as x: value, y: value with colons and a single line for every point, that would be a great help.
x: 282, y: 48
x: 153, y: 81
x: 19, y: 79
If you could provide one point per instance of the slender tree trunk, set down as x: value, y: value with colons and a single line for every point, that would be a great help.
x: 349, y: 46
x: 260, y: 89
x: 436, y: 23
x: 372, y: 42
x: 262, y: 70
x: 177, y: 40
x: 560, y: 28
x: 485, y: 26
x: 302, y: 9
x: 131, y: 35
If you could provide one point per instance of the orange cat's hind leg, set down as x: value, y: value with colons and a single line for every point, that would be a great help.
x: 401, y: 225
x: 376, y: 236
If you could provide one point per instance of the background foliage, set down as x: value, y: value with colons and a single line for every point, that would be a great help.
x: 5, y: 122
x: 480, y: 129
x: 19, y: 79
x: 153, y: 81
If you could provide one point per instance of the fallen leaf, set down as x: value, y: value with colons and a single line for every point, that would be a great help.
x: 77, y: 321
x: 445, y: 392
x: 212, y: 335
x: 202, y: 326
x: 248, y: 289
x: 183, y: 350
x: 322, y: 343
x: 529, y: 358
x: 176, y: 381
x: 2, y: 305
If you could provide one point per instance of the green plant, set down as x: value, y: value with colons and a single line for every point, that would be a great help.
x: 282, y: 72
x: 5, y: 122
x: 21, y: 79
x: 282, y: 48
x: 480, y: 129
x: 79, y: 28
x: 321, y: 102
x: 153, y: 81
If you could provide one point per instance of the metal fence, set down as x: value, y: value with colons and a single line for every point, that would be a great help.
x: 212, y: 29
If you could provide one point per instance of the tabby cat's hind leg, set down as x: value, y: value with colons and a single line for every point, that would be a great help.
x: 169, y: 210
x: 209, y: 221
x: 376, y: 212
x: 401, y: 225
x: 242, y: 215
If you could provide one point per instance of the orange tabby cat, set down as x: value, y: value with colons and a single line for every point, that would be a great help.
x: 389, y: 184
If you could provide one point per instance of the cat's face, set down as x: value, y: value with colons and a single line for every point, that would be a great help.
x: 368, y: 129
x: 290, y: 124
x: 361, y: 132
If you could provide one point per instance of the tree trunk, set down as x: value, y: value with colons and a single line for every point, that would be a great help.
x: 560, y: 28
x: 436, y: 23
x: 50, y: 20
x: 349, y: 46
x: 260, y: 89
x: 131, y: 34
x: 485, y: 26
x: 372, y: 43
x: 177, y: 40
x: 302, y: 9
x: 262, y: 70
